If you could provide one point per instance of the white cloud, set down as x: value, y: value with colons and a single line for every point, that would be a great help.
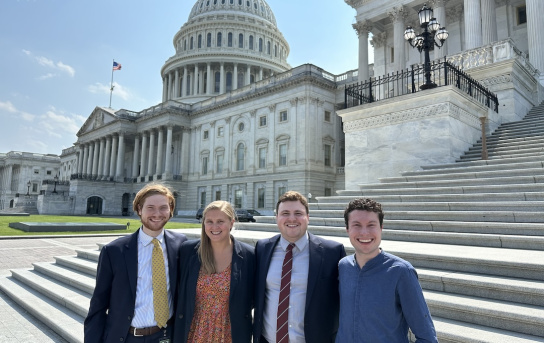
x: 47, y: 76
x: 7, y: 106
x: 46, y: 62
x: 118, y: 90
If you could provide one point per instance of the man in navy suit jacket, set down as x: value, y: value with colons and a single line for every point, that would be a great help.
x: 121, y: 307
x: 314, y: 300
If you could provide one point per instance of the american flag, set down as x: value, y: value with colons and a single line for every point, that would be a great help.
x: 116, y: 66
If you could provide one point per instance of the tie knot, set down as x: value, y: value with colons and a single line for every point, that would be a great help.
x: 156, y: 243
x: 290, y: 247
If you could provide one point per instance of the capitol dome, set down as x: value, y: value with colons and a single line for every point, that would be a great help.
x: 225, y: 45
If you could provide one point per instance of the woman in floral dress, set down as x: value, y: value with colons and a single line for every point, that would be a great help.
x: 215, y: 296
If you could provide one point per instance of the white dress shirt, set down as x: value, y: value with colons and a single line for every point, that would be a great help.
x: 144, y: 314
x: 297, y: 297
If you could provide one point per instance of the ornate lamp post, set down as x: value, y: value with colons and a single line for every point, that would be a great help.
x: 426, y: 41
x: 56, y: 178
x: 28, y: 184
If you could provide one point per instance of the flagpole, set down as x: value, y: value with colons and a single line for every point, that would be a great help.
x: 111, y: 85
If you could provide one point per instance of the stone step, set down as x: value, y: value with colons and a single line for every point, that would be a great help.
x: 490, y: 287
x: 526, y: 319
x: 452, y: 331
x: 515, y: 196
x: 493, y: 156
x: 63, y: 294
x: 84, y: 266
x: 495, y: 240
x: 79, y: 280
x: 467, y: 175
x: 427, y: 188
x: 514, y: 263
x: 507, y: 148
x: 492, y: 162
x: 91, y: 255
x: 63, y: 321
x: 507, y: 216
x: 517, y: 132
x: 428, y: 205
x: 497, y: 142
x: 513, y: 167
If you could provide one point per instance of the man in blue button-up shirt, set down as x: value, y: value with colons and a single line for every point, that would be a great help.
x: 380, y: 295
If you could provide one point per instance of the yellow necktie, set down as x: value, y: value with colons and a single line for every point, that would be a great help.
x: 160, y: 293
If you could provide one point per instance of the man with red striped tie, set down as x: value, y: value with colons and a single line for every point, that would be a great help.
x: 296, y: 290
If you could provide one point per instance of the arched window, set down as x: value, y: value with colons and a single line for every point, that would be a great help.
x: 199, y: 41
x: 252, y: 78
x: 185, y: 44
x: 250, y: 42
x: 240, y: 80
x: 229, y: 81
x: 268, y: 48
x: 209, y: 40
x: 241, y: 41
x: 229, y: 40
x: 205, y: 90
x: 260, y: 45
x: 219, y: 38
x: 188, y: 92
x: 239, y: 2
x: 217, y: 82
x: 191, y: 44
x: 240, y: 156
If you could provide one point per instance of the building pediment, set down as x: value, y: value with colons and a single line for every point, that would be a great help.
x: 98, y: 118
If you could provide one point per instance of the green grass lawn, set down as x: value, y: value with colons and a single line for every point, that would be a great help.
x: 5, y: 230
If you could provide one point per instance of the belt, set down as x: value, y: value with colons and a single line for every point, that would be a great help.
x: 138, y: 332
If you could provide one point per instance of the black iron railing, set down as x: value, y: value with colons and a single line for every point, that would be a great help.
x: 408, y: 81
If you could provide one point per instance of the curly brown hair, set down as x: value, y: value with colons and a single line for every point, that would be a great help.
x: 363, y: 204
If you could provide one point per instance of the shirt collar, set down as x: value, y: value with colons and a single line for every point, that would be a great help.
x: 300, y: 244
x: 146, y: 239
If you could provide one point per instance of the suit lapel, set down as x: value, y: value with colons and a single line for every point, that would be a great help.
x: 316, y: 260
x: 171, y: 252
x: 237, y: 261
x: 131, y: 261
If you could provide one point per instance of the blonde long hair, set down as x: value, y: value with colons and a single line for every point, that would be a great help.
x: 205, y: 250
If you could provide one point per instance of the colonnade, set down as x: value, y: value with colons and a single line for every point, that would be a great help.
x: 6, y: 173
x: 199, y: 79
x: 152, y: 156
x: 480, y: 28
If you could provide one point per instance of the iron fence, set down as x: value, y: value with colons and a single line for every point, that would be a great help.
x: 442, y: 73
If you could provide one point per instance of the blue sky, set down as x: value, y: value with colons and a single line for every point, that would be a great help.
x: 56, y: 58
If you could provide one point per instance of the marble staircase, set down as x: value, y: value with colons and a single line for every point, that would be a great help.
x: 473, y: 229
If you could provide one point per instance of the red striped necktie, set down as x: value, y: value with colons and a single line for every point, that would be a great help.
x: 282, y: 328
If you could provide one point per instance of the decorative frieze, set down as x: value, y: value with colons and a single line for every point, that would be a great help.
x: 412, y: 115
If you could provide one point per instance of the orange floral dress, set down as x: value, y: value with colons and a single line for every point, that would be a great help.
x: 211, y: 321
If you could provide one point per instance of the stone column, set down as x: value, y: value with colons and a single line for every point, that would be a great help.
x: 9, y: 178
x: 160, y: 152
x: 235, y: 77
x: 222, y: 79
x: 143, y: 165
x: 100, y: 172
x: 170, y: 86
x: 397, y: 16
x: 85, y: 157
x: 113, y: 157
x: 90, y: 159
x: 107, y: 156
x: 535, y: 33
x: 260, y: 73
x: 184, y: 168
x: 168, y: 163
x: 164, y: 89
x: 80, y: 161
x: 176, y: 84
x: 439, y: 11
x: 195, y: 81
x: 151, y: 156
x: 184, y: 83
x: 95, y: 158
x: 489, y: 21
x: 248, y: 75
x: 363, y: 28
x: 209, y: 79
x: 120, y: 157
x: 473, y: 24
x: 135, y: 156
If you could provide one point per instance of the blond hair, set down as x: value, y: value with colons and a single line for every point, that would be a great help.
x: 205, y: 250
